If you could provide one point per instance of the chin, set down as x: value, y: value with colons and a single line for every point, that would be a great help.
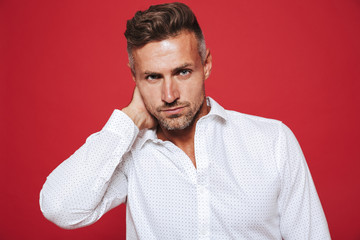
x: 175, y: 124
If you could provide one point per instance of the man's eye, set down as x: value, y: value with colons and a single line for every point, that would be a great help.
x: 152, y: 77
x: 184, y: 72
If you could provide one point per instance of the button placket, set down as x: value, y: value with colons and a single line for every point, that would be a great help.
x: 203, y: 196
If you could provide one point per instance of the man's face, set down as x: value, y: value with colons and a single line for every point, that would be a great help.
x: 170, y: 76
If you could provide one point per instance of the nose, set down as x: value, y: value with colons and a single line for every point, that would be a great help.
x: 170, y: 91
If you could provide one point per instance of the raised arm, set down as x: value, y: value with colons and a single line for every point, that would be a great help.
x: 92, y: 181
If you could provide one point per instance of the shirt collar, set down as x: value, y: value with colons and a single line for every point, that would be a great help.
x: 150, y: 134
x: 216, y: 109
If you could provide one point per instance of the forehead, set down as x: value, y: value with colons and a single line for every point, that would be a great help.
x: 168, y: 53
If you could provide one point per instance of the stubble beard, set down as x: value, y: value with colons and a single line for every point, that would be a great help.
x: 177, y: 121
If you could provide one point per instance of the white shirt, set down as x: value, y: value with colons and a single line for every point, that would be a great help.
x: 251, y: 182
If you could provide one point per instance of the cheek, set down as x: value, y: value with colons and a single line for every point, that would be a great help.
x: 149, y: 95
x: 195, y: 90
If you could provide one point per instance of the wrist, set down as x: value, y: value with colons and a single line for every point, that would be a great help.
x: 134, y: 116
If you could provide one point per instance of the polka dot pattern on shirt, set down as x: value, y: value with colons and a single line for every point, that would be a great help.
x: 251, y: 182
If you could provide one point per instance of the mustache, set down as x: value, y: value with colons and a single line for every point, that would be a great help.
x: 173, y: 104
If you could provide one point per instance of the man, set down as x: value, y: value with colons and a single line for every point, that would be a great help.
x: 185, y: 167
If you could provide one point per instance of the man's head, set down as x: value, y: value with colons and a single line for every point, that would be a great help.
x: 169, y: 65
x: 160, y: 22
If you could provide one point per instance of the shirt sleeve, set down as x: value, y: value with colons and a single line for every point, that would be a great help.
x: 301, y: 214
x: 91, y: 181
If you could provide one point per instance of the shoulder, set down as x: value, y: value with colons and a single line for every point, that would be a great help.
x: 260, y: 127
x: 241, y: 120
x: 254, y: 124
x: 270, y: 133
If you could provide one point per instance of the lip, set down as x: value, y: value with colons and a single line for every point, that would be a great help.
x: 175, y: 110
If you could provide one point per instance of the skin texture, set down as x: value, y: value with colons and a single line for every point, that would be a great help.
x: 170, y: 93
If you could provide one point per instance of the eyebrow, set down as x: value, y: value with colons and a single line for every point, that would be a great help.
x: 175, y: 70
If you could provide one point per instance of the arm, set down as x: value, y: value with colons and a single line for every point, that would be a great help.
x: 91, y: 182
x: 301, y: 214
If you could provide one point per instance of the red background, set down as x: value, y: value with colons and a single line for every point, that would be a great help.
x: 63, y: 71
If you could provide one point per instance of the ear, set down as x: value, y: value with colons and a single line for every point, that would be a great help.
x: 132, y: 72
x: 207, y: 64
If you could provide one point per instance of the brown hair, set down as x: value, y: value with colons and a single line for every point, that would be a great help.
x: 160, y: 22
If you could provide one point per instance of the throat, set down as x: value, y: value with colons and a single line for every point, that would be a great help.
x: 190, y: 152
x: 183, y: 139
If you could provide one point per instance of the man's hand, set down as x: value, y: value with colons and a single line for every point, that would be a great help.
x: 138, y: 113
